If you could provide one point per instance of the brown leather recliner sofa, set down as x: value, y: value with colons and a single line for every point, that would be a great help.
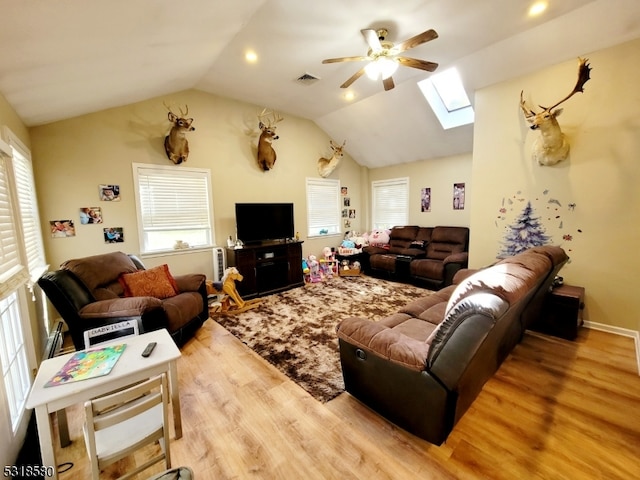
x: 430, y: 256
x: 422, y: 367
x: 88, y: 293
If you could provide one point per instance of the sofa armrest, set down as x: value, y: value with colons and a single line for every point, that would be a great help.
x: 461, y: 258
x: 191, y: 282
x: 463, y: 274
x: 384, y: 342
x: 120, y: 307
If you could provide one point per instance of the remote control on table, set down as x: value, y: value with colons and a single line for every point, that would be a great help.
x: 147, y: 351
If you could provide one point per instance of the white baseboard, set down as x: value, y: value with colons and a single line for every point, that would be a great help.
x: 625, y: 332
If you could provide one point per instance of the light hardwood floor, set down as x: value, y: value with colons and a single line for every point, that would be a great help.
x: 555, y: 410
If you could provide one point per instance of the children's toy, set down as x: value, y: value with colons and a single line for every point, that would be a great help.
x: 330, y: 263
x: 314, y: 269
x: 227, y: 287
x: 379, y: 238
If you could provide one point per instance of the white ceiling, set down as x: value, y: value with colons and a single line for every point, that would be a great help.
x: 64, y: 58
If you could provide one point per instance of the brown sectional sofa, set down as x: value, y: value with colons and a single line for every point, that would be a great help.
x: 429, y: 256
x: 422, y: 367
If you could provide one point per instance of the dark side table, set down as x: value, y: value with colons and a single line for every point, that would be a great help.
x: 402, y: 266
x: 562, y: 312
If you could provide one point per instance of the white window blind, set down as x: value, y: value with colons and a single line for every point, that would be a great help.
x: 174, y: 203
x: 12, y: 272
x: 323, y: 207
x: 28, y: 207
x: 390, y: 199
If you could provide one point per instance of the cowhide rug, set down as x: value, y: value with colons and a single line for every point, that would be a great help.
x: 296, y: 330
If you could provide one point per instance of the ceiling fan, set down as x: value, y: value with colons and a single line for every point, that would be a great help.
x: 383, y: 56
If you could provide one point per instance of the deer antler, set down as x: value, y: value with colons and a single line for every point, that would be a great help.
x: 584, y: 71
x: 274, y: 117
x: 527, y: 112
x: 182, y: 114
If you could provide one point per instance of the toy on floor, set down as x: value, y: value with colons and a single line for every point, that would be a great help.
x: 231, y: 301
x: 328, y: 264
x: 314, y: 269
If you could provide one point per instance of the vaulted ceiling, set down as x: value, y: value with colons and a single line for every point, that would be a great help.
x: 65, y: 58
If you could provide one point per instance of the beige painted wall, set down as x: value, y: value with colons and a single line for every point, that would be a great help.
x: 439, y: 175
x: 73, y: 157
x: 9, y: 118
x: 601, y: 177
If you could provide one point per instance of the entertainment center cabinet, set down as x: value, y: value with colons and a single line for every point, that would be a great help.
x: 267, y: 268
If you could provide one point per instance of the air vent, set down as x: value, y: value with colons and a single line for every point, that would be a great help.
x: 307, y: 79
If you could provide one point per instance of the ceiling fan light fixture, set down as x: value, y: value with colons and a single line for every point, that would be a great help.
x: 382, y: 67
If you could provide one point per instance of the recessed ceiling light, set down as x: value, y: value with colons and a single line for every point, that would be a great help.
x: 349, y: 96
x: 537, y: 8
x: 251, y: 56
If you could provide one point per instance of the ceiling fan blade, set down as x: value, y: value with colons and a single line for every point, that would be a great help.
x: 345, y: 59
x: 371, y: 36
x: 388, y: 83
x: 353, y: 78
x: 415, y: 41
x: 416, y: 63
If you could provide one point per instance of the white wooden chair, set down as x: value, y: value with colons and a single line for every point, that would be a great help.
x: 120, y: 423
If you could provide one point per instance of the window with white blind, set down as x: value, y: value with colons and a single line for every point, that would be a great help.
x: 390, y: 201
x: 13, y: 273
x: 173, y: 204
x: 14, y: 318
x: 24, y: 182
x: 323, y: 207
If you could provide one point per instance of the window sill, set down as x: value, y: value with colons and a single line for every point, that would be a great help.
x: 181, y: 251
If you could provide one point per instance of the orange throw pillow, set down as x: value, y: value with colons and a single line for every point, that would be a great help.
x: 156, y: 282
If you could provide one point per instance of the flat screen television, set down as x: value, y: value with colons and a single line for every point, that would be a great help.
x: 261, y: 222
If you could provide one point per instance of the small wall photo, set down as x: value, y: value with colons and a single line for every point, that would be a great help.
x: 90, y: 215
x: 425, y: 199
x: 458, y: 196
x: 62, y: 228
x: 109, y: 193
x: 113, y: 234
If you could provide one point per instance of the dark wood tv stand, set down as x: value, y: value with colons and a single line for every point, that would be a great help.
x: 267, y: 268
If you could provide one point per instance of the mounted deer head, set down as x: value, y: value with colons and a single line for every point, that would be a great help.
x: 175, y: 144
x: 328, y: 165
x: 266, y: 153
x: 552, y: 146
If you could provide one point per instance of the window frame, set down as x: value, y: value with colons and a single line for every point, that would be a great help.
x: 330, y: 188
x: 141, y: 170
x: 389, y: 217
x: 17, y: 355
x: 22, y: 177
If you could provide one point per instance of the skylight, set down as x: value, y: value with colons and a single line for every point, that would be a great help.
x: 446, y: 95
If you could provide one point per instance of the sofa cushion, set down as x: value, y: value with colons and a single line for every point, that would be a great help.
x: 156, y: 282
x: 427, y: 268
x: 100, y: 270
x: 181, y: 308
x: 120, y: 307
x: 447, y: 240
x: 383, y: 262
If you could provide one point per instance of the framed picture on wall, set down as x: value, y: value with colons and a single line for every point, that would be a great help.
x: 458, y: 196
x: 113, y: 234
x: 109, y: 193
x: 62, y: 228
x: 90, y: 215
x: 425, y: 200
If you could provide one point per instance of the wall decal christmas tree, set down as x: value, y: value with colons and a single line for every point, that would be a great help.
x: 525, y: 232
